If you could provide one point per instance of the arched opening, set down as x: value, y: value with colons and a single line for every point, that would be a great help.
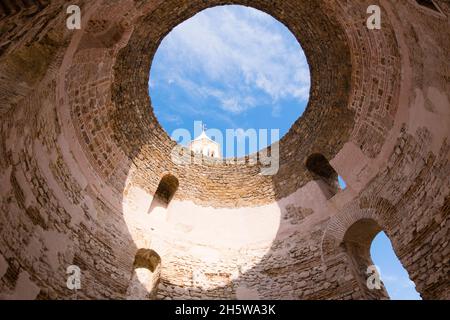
x: 146, y: 275
x: 377, y: 270
x: 165, y: 192
x: 326, y: 104
x: 356, y: 243
x: 323, y: 173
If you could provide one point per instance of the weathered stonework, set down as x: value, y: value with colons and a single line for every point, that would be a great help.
x: 82, y: 156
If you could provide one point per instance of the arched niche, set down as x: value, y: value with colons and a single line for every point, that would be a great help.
x: 165, y: 192
x: 146, y: 275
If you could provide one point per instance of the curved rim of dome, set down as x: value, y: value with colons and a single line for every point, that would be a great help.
x: 137, y: 94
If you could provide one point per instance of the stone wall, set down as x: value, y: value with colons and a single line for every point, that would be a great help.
x: 82, y: 154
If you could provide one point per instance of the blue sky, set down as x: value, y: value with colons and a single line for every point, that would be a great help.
x: 234, y: 67
x: 231, y: 67
x: 393, y: 275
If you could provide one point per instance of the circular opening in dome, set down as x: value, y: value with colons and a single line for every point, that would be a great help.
x: 234, y: 72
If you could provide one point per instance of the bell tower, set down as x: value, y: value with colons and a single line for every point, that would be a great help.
x: 205, y: 145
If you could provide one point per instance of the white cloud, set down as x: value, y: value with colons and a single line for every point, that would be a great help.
x: 244, y: 50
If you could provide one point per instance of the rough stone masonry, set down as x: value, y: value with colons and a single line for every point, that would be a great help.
x: 82, y: 157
